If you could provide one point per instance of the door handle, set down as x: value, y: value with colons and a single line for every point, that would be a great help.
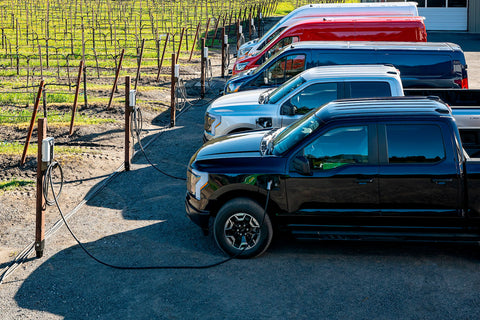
x: 364, y: 181
x: 441, y: 181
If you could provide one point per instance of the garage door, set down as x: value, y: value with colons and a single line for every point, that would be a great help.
x: 444, y: 14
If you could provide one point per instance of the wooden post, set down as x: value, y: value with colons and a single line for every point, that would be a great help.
x: 75, y: 99
x: 117, y: 73
x: 163, y: 54
x: 172, y: 93
x: 180, y: 45
x: 139, y: 64
x: 32, y: 122
x: 128, y: 145
x: 224, y: 45
x: 202, y: 70
x: 40, y: 204
x: 194, y: 41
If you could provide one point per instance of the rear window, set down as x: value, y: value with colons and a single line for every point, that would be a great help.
x: 369, y: 89
x: 415, y: 143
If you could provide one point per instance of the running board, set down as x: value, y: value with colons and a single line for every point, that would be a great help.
x: 385, y: 233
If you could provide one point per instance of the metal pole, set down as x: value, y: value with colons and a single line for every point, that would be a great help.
x: 117, y: 73
x: 77, y: 89
x: 128, y: 147
x: 32, y: 122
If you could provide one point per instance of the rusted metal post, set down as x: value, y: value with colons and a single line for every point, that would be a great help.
x: 202, y: 70
x: 180, y: 45
x: 163, y: 55
x: 75, y: 99
x: 139, y: 64
x: 128, y: 136
x: 32, y: 122
x: 172, y: 93
x: 194, y: 41
x: 224, y: 45
x: 206, y: 30
x: 117, y: 73
x: 216, y: 30
x: 40, y: 204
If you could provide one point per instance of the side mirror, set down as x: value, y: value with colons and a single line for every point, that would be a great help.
x: 302, y: 166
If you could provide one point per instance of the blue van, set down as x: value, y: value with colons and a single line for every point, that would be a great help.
x: 421, y: 65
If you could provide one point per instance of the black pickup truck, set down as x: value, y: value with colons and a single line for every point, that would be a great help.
x: 366, y: 169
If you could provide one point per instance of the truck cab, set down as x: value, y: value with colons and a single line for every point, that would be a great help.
x: 279, y: 107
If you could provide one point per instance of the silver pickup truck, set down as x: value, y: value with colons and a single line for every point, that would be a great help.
x: 278, y: 107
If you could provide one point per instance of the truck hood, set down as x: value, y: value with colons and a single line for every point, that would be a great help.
x: 245, y: 144
x: 244, y: 101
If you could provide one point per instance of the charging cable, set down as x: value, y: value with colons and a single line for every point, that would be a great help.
x: 49, y: 179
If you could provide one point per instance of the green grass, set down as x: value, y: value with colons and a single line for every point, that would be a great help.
x: 15, y: 184
x: 16, y: 148
x: 23, y: 116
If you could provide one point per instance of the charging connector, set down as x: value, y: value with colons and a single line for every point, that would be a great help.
x: 47, y: 152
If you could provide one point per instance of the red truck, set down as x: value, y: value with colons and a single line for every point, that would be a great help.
x: 410, y: 29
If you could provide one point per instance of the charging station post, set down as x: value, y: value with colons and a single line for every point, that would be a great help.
x: 202, y: 70
x: 172, y: 92
x: 224, y: 53
x: 128, y: 137
x: 40, y: 201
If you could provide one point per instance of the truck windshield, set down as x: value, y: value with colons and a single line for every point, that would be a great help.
x: 285, y: 89
x: 296, y: 132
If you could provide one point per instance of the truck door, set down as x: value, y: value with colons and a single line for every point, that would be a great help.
x: 418, y: 172
x: 343, y: 177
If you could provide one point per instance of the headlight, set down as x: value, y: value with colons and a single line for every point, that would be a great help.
x: 196, y: 181
x: 233, y: 87
x: 241, y: 66
x: 211, y: 122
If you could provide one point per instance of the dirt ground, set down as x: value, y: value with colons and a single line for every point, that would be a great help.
x: 111, y: 211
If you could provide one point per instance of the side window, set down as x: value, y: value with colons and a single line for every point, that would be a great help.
x: 281, y: 44
x: 368, y: 89
x: 422, y: 143
x: 310, y: 97
x: 285, y: 68
x: 338, y: 147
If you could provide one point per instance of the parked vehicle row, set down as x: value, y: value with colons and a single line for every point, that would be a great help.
x: 330, y: 139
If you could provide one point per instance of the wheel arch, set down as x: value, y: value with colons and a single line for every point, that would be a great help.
x: 257, y: 197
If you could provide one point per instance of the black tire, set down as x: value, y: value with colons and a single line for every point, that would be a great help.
x: 242, y: 229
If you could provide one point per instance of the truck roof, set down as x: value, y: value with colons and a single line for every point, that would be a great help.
x: 349, y: 71
x: 372, y: 45
x: 381, y: 107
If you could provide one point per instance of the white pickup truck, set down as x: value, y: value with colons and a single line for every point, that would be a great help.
x: 278, y: 107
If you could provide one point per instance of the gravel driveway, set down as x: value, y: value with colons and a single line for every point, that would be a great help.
x: 138, y: 219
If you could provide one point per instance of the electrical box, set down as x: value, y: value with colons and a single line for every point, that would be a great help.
x: 176, y: 71
x: 47, y: 150
x: 133, y: 97
x: 205, y: 52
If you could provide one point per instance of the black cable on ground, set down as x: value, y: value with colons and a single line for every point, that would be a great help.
x: 50, y: 180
